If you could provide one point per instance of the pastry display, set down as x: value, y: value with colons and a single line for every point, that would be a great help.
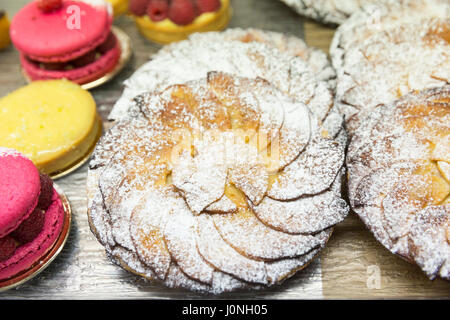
x: 57, y: 41
x: 332, y: 12
x: 399, y: 177
x: 31, y: 215
x: 54, y: 123
x: 4, y: 30
x: 217, y: 184
x: 386, y: 51
x: 119, y: 6
x: 165, y: 21
x: 193, y: 58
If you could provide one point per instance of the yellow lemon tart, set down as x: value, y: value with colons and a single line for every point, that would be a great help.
x: 119, y: 6
x: 165, y: 22
x: 4, y: 30
x: 54, y: 123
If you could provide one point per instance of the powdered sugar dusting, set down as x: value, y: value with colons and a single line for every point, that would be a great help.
x: 172, y: 186
x: 388, y: 50
x: 291, y: 45
x: 312, y: 172
x: 306, y: 214
x: 193, y: 58
x: 328, y: 11
x: 395, y: 184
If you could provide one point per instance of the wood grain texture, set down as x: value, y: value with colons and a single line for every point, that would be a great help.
x: 82, y: 270
x: 318, y: 35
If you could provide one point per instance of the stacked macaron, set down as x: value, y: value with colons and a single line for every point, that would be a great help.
x: 69, y: 39
x: 31, y: 214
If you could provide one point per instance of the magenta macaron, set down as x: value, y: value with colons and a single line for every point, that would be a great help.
x: 73, y: 40
x: 31, y: 214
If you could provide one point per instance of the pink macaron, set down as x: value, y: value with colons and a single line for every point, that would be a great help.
x: 69, y: 39
x: 31, y: 214
x: 20, y: 188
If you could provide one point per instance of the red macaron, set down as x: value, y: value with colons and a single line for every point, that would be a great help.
x: 31, y: 214
x: 69, y: 39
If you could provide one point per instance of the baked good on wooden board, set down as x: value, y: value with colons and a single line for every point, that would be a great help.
x: 249, y: 198
x: 399, y: 177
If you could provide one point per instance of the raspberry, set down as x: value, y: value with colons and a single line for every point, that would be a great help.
x: 138, y: 7
x: 158, y: 9
x: 49, y: 5
x: 109, y: 44
x: 45, y: 198
x: 182, y: 12
x: 30, y: 228
x: 207, y: 5
x: 7, y: 248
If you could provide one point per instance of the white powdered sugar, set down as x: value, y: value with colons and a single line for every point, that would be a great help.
x: 173, y: 185
x: 429, y: 240
x: 194, y: 58
x: 249, y: 236
x: 311, y: 173
x: 396, y: 184
x: 305, y: 214
x: 382, y: 16
x: 315, y: 58
x: 388, y: 50
x: 329, y: 11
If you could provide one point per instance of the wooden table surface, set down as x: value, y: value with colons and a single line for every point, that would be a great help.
x: 353, y: 265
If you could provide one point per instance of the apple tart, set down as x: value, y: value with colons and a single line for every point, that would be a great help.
x: 399, y: 177
x: 217, y: 184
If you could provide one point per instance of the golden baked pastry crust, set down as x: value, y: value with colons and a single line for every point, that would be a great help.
x: 398, y: 162
x: 161, y: 205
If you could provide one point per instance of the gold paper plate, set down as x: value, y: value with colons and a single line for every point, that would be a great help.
x: 125, y: 47
x: 75, y: 165
x: 45, y: 260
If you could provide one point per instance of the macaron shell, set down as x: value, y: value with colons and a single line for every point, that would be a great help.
x: 19, y: 189
x: 54, y: 36
x: 80, y: 75
x: 28, y: 254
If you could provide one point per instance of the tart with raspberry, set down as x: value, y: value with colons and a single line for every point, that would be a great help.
x: 165, y: 21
